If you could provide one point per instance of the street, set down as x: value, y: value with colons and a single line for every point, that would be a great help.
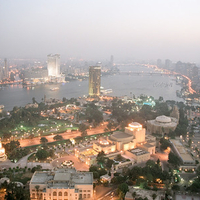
x: 65, y: 135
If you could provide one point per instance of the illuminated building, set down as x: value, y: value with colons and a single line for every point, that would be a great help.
x: 62, y: 184
x: 182, y: 153
x: 134, y: 137
x: 3, y: 156
x: 94, y: 81
x: 36, y: 75
x: 104, y: 145
x: 5, y: 69
x: 162, y: 124
x: 53, y: 65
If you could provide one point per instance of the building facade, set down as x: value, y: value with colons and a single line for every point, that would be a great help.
x: 94, y: 81
x: 62, y: 184
x: 162, y: 125
x: 133, y: 142
x: 53, y: 65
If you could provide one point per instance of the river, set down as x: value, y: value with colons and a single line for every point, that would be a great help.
x: 121, y: 84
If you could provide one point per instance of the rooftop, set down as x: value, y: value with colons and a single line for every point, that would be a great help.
x: 138, y: 152
x: 120, y: 135
x: 62, y: 176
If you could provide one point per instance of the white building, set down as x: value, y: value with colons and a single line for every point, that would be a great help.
x: 62, y: 184
x: 183, y: 154
x: 120, y: 142
x: 53, y: 65
x: 162, y: 124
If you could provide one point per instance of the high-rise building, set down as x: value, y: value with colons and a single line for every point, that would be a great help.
x: 94, y: 81
x: 53, y: 65
x: 5, y: 69
x: 1, y: 73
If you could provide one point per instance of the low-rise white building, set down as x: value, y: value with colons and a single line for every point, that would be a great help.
x: 62, y: 184
x: 185, y: 157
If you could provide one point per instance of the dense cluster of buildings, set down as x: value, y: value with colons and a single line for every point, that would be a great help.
x: 40, y: 75
x: 4, y: 71
x: 133, y: 144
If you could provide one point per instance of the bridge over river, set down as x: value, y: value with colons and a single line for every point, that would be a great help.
x: 146, y: 73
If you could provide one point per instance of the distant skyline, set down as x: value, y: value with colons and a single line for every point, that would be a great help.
x: 97, y: 29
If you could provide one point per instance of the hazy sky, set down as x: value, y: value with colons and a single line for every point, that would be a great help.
x: 96, y: 29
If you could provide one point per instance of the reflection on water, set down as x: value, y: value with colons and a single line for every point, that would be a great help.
x: 154, y: 85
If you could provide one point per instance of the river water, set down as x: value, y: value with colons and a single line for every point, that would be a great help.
x: 121, y: 84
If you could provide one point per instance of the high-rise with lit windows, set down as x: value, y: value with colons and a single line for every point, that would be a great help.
x: 94, y: 81
x: 53, y: 65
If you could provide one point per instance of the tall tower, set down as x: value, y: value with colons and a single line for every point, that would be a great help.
x: 5, y: 69
x: 53, y: 65
x: 94, y: 81
x: 1, y: 73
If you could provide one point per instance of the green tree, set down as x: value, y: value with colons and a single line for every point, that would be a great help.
x: 123, y: 188
x: 93, y: 114
x: 9, y: 147
x: 164, y: 144
x: 82, y: 129
x: 43, y: 140
x: 51, y: 153
x: 174, y: 160
x: 101, y: 158
x: 154, y: 195
x: 58, y: 137
x: 42, y: 154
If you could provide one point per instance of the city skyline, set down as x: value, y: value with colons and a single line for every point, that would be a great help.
x: 127, y: 30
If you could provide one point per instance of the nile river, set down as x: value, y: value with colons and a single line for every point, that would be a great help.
x: 121, y: 84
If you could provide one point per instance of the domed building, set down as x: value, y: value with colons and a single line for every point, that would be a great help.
x: 162, y: 124
x: 132, y: 142
x: 3, y: 156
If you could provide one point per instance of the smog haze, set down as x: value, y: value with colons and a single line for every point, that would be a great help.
x: 89, y: 29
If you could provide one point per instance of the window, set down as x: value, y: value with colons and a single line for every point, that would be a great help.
x: 80, y: 190
x: 84, y: 195
x: 88, y: 196
x: 33, y: 190
x: 60, y: 194
x: 33, y: 195
x: 88, y: 190
x: 84, y: 190
x: 54, y: 193
x: 80, y: 196
x: 65, y: 194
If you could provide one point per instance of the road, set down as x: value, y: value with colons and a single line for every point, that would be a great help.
x: 80, y: 166
x: 21, y: 163
x: 163, y: 157
x: 65, y: 135
x: 104, y: 193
